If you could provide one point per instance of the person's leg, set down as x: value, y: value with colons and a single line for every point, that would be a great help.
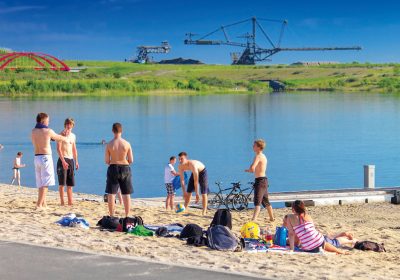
x: 61, y: 191
x: 345, y: 241
x: 127, y: 204
x: 19, y: 178
x: 70, y: 196
x: 256, y: 213
x: 204, y: 202
x: 266, y: 203
x: 190, y: 189
x: 42, y: 192
x: 44, y: 203
x: 119, y: 195
x: 171, y: 203
x: 330, y: 248
x: 14, y: 176
x: 111, y: 204
x: 167, y: 200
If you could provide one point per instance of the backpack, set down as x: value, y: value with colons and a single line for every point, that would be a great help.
x: 369, y: 246
x: 108, y: 222
x: 221, y: 238
x: 191, y: 230
x: 129, y: 223
x: 281, y: 234
x: 222, y: 217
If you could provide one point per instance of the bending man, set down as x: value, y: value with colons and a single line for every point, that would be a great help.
x: 198, y: 177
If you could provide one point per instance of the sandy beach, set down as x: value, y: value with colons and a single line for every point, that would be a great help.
x: 376, y: 222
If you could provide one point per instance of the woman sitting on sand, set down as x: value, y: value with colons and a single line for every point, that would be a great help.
x: 302, y: 231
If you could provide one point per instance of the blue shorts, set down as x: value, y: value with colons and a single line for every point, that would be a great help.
x: 333, y: 242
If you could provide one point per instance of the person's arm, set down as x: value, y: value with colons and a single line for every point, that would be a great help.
x: 195, y: 173
x: 107, y: 156
x: 57, y: 137
x: 182, y: 177
x: 252, y: 167
x: 173, y: 172
x: 130, y: 155
x: 75, y: 154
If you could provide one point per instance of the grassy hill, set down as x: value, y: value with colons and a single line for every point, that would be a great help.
x: 120, y: 78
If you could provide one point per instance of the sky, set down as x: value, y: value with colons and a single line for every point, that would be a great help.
x: 112, y: 29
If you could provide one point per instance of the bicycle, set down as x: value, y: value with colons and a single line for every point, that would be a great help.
x: 217, y: 199
x: 241, y: 200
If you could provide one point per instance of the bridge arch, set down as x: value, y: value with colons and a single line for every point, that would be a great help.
x: 37, y: 61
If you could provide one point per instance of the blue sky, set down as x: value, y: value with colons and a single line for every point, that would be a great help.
x: 111, y: 29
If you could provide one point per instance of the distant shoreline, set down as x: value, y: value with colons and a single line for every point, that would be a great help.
x: 107, y: 79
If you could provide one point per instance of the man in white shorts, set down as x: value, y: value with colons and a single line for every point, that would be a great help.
x: 44, y: 168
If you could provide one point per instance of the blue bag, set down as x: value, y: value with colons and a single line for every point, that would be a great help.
x: 177, y: 181
x: 280, y: 236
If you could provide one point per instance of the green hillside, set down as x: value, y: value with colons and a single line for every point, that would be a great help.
x: 120, y: 78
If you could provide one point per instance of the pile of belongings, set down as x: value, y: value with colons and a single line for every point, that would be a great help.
x: 71, y: 220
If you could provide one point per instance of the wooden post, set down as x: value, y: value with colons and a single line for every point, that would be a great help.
x: 369, y: 176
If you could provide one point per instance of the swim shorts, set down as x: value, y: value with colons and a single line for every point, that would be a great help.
x: 261, y: 192
x: 170, y: 188
x: 44, y: 171
x: 66, y: 177
x: 333, y: 242
x: 119, y: 176
x: 203, y: 182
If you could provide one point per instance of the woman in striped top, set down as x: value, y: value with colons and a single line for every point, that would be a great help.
x: 302, y: 231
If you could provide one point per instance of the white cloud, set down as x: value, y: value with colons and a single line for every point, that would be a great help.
x: 16, y: 9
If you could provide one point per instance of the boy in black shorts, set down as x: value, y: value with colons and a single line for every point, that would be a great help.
x: 119, y: 156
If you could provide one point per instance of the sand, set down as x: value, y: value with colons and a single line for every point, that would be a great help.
x: 376, y: 222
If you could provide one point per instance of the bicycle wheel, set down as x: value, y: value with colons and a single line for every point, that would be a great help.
x: 240, y: 202
x: 214, y: 200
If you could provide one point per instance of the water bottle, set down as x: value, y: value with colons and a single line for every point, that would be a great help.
x: 280, y: 236
x: 268, y: 238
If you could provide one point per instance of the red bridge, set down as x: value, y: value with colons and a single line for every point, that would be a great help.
x: 40, y: 61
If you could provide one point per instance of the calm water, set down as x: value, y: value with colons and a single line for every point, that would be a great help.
x: 314, y: 141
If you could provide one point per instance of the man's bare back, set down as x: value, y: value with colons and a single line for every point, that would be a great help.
x: 119, y: 151
x: 192, y: 165
x: 41, y: 140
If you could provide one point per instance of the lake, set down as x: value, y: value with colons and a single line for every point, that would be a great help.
x: 314, y: 140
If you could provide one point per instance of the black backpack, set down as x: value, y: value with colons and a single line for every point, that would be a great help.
x: 222, y: 217
x: 191, y: 230
x: 369, y: 246
x: 130, y: 222
x: 222, y: 239
x: 108, y: 222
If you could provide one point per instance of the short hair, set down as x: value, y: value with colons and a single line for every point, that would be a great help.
x: 19, y: 154
x: 69, y: 121
x: 172, y: 158
x: 117, y: 128
x: 41, y: 117
x: 260, y: 143
x: 182, y: 154
x: 299, y: 207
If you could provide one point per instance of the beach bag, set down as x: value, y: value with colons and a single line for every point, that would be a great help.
x: 221, y: 238
x: 222, y: 217
x: 108, y: 222
x: 129, y: 223
x: 177, y: 181
x: 369, y: 246
x: 280, y: 236
x: 191, y: 230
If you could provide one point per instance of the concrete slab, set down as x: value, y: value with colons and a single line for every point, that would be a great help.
x: 22, y: 261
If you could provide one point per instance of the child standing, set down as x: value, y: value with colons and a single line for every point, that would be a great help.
x: 17, y: 165
x: 169, y: 175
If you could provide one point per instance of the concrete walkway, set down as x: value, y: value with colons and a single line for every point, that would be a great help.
x: 21, y: 261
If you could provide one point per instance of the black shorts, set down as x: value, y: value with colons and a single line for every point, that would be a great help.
x: 119, y: 177
x: 261, y: 192
x: 203, y: 182
x: 66, y: 177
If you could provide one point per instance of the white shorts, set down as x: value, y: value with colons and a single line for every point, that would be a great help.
x: 44, y: 171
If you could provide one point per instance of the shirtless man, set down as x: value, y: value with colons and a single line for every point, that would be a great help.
x: 119, y: 156
x: 198, y: 177
x: 259, y: 168
x: 67, y: 161
x: 44, y: 169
